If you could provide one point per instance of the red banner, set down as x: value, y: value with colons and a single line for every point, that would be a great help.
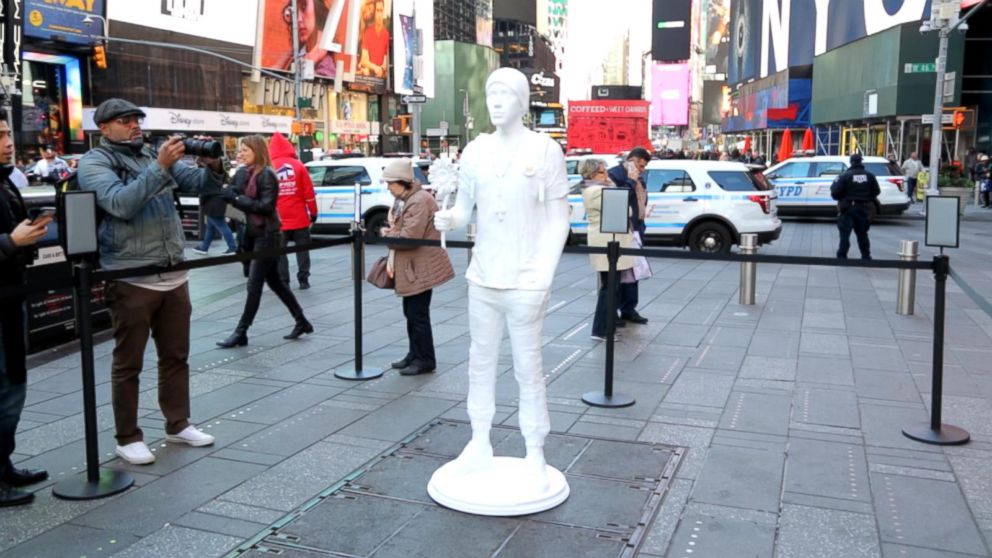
x: 608, y: 126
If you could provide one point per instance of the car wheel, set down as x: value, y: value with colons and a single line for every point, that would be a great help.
x: 374, y: 223
x: 712, y: 238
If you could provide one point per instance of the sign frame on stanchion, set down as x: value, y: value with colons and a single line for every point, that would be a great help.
x: 77, y: 229
x: 943, y: 226
x: 359, y: 372
x: 613, y: 220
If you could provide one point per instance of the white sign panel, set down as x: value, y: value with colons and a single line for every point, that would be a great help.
x: 195, y: 121
x: 350, y: 127
x: 231, y: 21
x: 413, y: 47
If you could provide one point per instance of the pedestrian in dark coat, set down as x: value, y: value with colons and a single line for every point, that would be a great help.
x: 18, y: 237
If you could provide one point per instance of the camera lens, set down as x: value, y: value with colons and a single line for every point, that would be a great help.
x: 203, y: 148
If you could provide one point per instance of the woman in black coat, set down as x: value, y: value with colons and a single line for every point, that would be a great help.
x: 256, y: 197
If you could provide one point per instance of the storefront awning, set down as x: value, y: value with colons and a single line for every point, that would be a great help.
x: 195, y: 121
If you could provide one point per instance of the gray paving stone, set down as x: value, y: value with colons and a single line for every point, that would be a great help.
x: 597, y: 429
x: 975, y: 477
x: 254, y: 514
x: 783, y: 344
x: 686, y: 335
x: 830, y: 344
x: 882, y: 425
x: 602, y: 504
x: 476, y: 535
x: 218, y: 524
x: 823, y: 321
x: 879, y: 355
x: 718, y: 357
x: 817, y: 533
x: 741, y: 477
x: 826, y: 502
x: 396, y: 420
x: 622, y: 461
x: 286, y: 403
x: 891, y: 386
x: 925, y: 513
x: 705, y: 535
x: 289, y: 437
x: 824, y: 370
x: 180, y: 541
x: 827, y: 407
x: 890, y: 550
x: 83, y: 541
x: 662, y: 529
x: 769, y: 368
x: 827, y: 469
x: 222, y: 401
x: 700, y: 388
x: 147, y: 509
x: 757, y: 412
x: 300, y: 477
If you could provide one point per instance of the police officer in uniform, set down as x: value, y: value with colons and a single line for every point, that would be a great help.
x: 855, y: 191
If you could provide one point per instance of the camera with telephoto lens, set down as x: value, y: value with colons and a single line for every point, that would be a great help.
x: 202, y: 148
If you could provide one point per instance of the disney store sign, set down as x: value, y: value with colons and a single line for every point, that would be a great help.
x: 170, y: 120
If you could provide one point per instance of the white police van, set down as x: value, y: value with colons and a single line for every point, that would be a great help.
x: 334, y: 183
x: 803, y: 185
x: 704, y: 205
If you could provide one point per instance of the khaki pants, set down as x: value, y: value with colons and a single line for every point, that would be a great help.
x: 137, y: 312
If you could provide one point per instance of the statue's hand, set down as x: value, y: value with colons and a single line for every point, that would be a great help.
x: 444, y: 220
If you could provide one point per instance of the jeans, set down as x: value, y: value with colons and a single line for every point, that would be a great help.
x: 299, y: 237
x: 11, y: 404
x: 136, y: 312
x: 856, y: 218
x: 599, y: 318
x: 490, y: 313
x: 218, y: 224
x: 263, y: 272
x: 417, y: 310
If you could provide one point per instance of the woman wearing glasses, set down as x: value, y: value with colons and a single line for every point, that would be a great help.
x: 594, y: 180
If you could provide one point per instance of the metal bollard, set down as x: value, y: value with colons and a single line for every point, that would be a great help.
x: 748, y: 245
x: 909, y: 251
x: 471, y: 238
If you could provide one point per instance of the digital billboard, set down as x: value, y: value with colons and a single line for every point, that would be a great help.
x: 413, y: 47
x: 671, y: 30
x: 670, y: 95
x: 48, y: 21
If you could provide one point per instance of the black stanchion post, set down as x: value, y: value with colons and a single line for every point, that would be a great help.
x: 607, y: 398
x: 935, y: 432
x: 96, y: 483
x: 360, y: 372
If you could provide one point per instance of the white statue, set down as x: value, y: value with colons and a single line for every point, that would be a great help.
x: 516, y: 180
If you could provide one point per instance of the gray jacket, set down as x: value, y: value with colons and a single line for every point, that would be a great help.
x: 140, y: 225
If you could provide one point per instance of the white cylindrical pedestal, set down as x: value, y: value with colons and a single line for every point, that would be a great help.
x: 500, y: 490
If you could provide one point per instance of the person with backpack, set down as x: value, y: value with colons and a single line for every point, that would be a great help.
x: 257, y: 198
x: 141, y: 226
x: 297, y: 206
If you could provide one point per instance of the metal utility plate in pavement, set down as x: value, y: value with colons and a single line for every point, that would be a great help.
x: 383, y: 509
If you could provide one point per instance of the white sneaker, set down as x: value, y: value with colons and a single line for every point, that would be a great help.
x: 136, y: 453
x: 200, y: 252
x: 192, y: 436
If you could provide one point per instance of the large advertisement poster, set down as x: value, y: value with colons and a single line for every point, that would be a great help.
x: 671, y: 30
x: 484, y: 22
x: 413, y: 47
x: 327, y: 32
x: 373, y: 46
x: 670, y: 95
x: 64, y: 22
x: 608, y: 126
x: 230, y: 21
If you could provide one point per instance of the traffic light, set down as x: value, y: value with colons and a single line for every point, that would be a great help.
x: 100, y: 57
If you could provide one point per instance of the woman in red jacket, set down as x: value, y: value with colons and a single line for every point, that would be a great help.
x: 297, y: 206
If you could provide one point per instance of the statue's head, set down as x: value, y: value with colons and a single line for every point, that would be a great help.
x: 507, y: 96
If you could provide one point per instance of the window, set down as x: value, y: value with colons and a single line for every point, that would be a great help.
x: 346, y: 176
x: 572, y: 167
x: 669, y: 181
x: 736, y: 181
x: 317, y: 174
x: 883, y: 169
x: 830, y: 169
x: 792, y: 170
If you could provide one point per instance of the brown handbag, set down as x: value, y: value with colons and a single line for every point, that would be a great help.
x: 378, y: 276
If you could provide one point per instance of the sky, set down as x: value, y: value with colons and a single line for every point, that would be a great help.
x: 593, y: 27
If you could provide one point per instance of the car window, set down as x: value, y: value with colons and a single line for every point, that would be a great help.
x: 670, y: 181
x: 572, y: 167
x: 830, y: 169
x: 347, y: 176
x: 418, y: 173
x: 883, y: 169
x: 792, y: 170
x: 317, y: 174
x: 738, y: 181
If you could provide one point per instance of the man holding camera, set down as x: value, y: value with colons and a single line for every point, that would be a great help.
x: 18, y: 236
x: 141, y: 226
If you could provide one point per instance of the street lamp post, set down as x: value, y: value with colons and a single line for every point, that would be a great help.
x: 943, y: 18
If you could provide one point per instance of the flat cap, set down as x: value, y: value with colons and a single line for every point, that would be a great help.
x: 115, y: 108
